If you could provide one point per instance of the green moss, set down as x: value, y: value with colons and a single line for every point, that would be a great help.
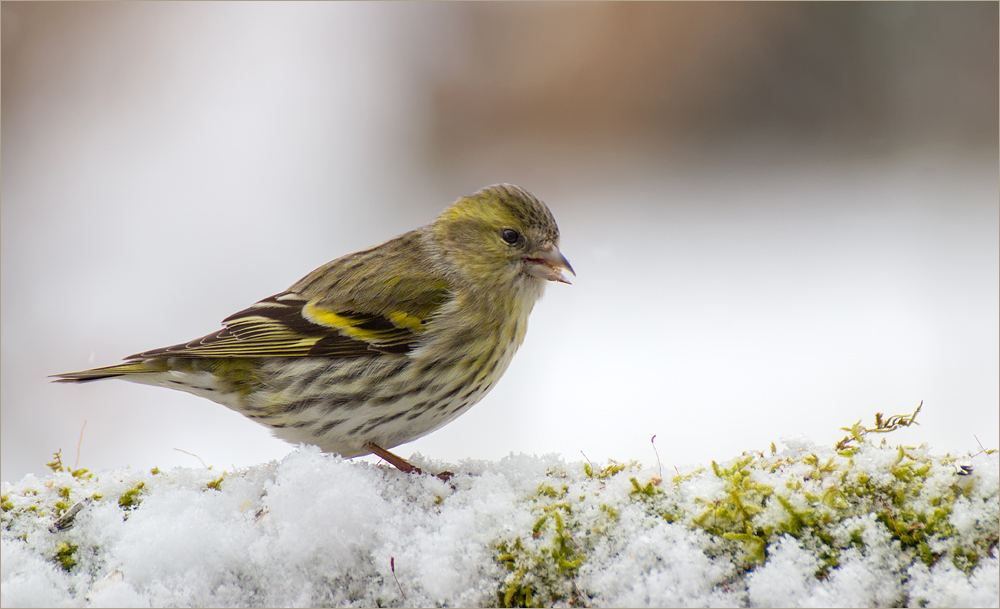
x: 542, y: 568
x: 680, y: 479
x: 732, y: 517
x: 858, y: 432
x: 744, y: 506
x: 642, y: 491
x: 56, y: 464
x: 64, y: 556
x: 548, y: 491
x: 131, y: 499
x: 756, y: 545
x: 543, y: 573
x: 615, y: 468
x: 750, y: 515
x: 610, y: 470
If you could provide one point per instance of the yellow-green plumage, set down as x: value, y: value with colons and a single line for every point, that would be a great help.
x: 382, y: 346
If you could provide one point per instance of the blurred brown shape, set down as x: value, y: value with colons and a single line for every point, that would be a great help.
x: 581, y: 73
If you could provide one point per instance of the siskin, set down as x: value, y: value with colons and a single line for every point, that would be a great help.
x: 380, y: 347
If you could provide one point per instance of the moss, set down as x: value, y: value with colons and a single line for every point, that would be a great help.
x: 858, y: 432
x: 643, y: 491
x: 56, y: 464
x: 544, y: 573
x: 615, y: 468
x: 610, y: 470
x: 740, y: 509
x: 548, y: 491
x: 745, y: 498
x: 750, y: 515
x: 543, y: 567
x: 755, y: 544
x: 131, y: 499
x: 64, y: 556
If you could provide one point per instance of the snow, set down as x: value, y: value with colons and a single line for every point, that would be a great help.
x: 314, y: 529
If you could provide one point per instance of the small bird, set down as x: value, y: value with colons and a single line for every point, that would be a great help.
x: 383, y: 346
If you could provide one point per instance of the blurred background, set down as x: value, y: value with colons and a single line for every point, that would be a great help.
x: 784, y: 216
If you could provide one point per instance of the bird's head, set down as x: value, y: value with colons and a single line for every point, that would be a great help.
x: 502, y: 235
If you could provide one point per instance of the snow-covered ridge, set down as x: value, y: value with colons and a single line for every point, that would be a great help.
x: 805, y: 525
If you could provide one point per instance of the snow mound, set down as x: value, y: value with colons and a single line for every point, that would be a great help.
x: 803, y: 526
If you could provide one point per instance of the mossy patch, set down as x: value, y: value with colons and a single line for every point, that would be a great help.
x: 65, y: 555
x: 822, y: 498
x: 130, y: 499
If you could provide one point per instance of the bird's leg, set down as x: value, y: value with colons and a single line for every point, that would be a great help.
x: 400, y: 463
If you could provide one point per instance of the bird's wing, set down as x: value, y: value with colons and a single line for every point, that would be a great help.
x: 291, y: 324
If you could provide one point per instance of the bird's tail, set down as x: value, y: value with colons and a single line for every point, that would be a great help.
x: 105, y: 372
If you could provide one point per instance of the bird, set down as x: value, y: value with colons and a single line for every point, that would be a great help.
x: 383, y: 346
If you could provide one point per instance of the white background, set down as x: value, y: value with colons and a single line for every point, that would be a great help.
x: 165, y: 165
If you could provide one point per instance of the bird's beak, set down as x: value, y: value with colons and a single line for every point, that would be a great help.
x: 549, y: 264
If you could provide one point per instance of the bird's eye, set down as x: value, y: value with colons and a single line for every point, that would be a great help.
x: 510, y: 235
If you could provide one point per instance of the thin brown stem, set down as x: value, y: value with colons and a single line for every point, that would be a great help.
x: 80, y: 444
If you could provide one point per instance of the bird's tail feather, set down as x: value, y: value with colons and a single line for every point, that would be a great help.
x: 105, y: 372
